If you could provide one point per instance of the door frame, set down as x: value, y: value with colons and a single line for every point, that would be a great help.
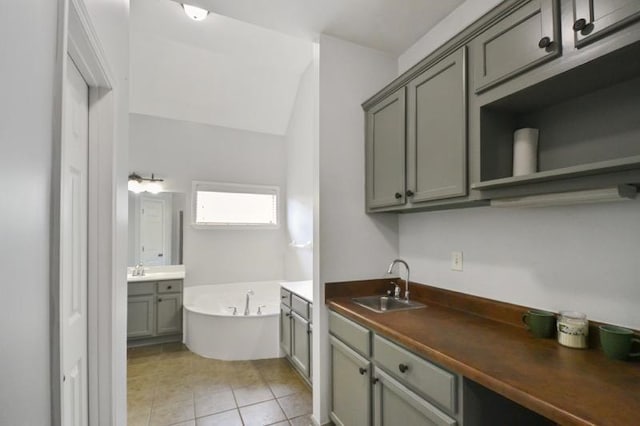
x: 78, y: 39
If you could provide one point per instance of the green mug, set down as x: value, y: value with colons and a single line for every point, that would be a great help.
x: 540, y: 323
x: 617, y: 341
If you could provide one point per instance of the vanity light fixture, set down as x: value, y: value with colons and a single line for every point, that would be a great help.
x: 194, y: 12
x: 138, y: 184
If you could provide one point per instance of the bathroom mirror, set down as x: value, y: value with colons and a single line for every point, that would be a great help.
x: 156, y: 224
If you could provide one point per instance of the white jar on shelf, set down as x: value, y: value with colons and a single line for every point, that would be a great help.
x: 573, y: 329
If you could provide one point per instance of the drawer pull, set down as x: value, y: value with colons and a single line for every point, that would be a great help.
x: 398, y: 195
x: 374, y: 380
x: 288, y: 314
x: 410, y: 193
x: 580, y: 25
x: 283, y: 297
x: 544, y: 42
x: 403, y: 368
x: 362, y: 370
x: 168, y: 287
x: 159, y: 299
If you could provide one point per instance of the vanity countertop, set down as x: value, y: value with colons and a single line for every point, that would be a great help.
x: 483, y: 341
x: 303, y: 289
x: 157, y: 273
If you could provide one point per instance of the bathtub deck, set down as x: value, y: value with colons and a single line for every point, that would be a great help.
x: 169, y: 385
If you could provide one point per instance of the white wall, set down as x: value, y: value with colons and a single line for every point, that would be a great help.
x: 463, y: 16
x: 351, y: 244
x: 299, y: 141
x: 582, y: 258
x: 28, y: 61
x: 182, y: 152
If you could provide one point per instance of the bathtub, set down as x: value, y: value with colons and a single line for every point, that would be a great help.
x: 212, y: 331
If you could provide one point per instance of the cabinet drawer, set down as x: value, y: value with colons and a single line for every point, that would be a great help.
x: 433, y: 382
x: 285, y: 297
x: 351, y: 333
x: 170, y: 286
x: 516, y: 44
x: 135, y: 289
x: 300, y: 306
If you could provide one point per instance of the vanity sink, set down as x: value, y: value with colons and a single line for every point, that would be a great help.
x: 382, y: 304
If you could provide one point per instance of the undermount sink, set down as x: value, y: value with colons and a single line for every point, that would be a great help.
x: 382, y: 304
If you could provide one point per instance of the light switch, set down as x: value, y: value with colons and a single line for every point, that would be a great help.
x: 456, y: 261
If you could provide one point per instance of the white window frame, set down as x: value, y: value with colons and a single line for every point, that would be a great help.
x: 238, y: 188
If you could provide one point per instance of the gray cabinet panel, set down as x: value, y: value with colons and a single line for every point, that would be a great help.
x: 385, y: 152
x: 432, y: 381
x: 285, y: 297
x: 394, y: 404
x: 348, y: 331
x: 513, y: 45
x: 141, y: 316
x: 169, y: 314
x: 300, y: 348
x: 285, y: 329
x: 134, y: 289
x: 170, y: 286
x: 300, y: 306
x: 350, y: 386
x: 437, y: 131
x: 603, y: 17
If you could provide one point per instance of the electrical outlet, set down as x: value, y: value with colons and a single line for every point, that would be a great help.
x: 456, y: 261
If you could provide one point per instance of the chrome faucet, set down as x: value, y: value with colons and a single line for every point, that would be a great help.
x: 406, y: 283
x: 138, y: 271
x: 246, y: 304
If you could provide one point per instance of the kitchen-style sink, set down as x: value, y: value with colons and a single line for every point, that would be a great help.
x: 382, y: 304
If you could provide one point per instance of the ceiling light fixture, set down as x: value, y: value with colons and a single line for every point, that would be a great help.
x: 138, y: 184
x: 195, y: 13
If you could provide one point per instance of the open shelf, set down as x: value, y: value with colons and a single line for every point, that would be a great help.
x: 607, y: 166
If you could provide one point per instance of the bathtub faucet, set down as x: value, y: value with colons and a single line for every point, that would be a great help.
x: 246, y: 305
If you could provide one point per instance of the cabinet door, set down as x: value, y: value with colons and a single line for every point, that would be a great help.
x: 437, y: 135
x: 169, y: 314
x: 596, y: 18
x: 300, y: 343
x: 140, y: 316
x: 524, y: 39
x: 285, y: 329
x: 350, y: 386
x: 394, y: 404
x: 385, y: 152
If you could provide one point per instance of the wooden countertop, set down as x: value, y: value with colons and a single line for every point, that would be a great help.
x: 568, y: 386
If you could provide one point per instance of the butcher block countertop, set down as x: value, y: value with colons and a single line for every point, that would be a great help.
x: 485, y: 341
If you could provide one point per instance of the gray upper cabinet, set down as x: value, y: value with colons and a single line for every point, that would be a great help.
x: 437, y: 131
x: 350, y: 386
x: 385, y: 152
x: 524, y: 39
x: 597, y: 18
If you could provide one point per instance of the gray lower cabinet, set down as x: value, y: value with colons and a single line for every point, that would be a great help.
x: 141, y: 316
x: 296, y: 331
x: 524, y: 39
x: 597, y: 18
x: 350, y: 386
x: 394, y: 404
x: 154, y: 312
x: 385, y: 152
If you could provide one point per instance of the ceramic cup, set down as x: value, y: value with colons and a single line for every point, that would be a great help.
x: 617, y: 341
x: 540, y: 323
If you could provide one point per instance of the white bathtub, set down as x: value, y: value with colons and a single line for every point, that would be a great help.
x: 212, y: 331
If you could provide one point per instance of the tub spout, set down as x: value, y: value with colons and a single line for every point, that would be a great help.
x: 246, y: 305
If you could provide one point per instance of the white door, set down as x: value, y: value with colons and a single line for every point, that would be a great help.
x: 73, y: 250
x: 152, y: 231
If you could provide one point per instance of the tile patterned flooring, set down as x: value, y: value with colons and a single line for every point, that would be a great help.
x: 169, y: 385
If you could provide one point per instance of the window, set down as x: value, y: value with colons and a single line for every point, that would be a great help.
x: 233, y: 205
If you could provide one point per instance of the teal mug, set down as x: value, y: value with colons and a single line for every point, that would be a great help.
x: 540, y: 323
x: 617, y: 342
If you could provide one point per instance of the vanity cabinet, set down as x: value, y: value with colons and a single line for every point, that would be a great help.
x: 524, y: 39
x: 594, y: 19
x: 154, y: 312
x: 296, y: 331
x: 416, y: 152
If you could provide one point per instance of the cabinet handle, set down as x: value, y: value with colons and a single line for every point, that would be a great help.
x: 398, y: 195
x: 168, y: 287
x: 283, y: 297
x: 288, y: 314
x: 403, y: 368
x: 159, y: 299
x: 544, y: 42
x: 374, y: 380
x: 580, y: 25
x: 410, y: 193
x: 362, y: 370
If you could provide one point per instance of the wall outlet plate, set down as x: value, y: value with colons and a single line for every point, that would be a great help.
x: 456, y: 261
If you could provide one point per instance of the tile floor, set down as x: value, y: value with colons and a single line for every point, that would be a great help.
x: 169, y: 385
